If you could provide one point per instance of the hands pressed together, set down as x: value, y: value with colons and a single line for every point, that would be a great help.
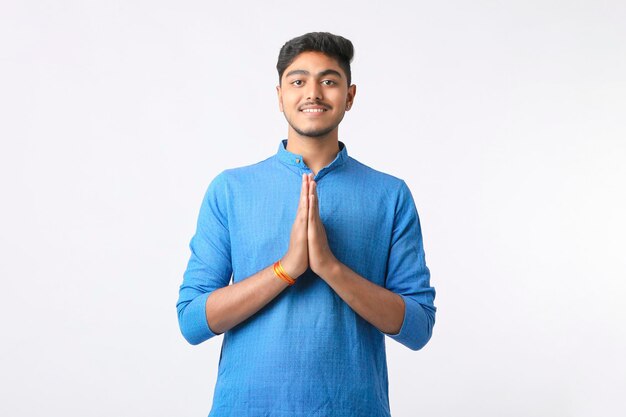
x: 308, y: 244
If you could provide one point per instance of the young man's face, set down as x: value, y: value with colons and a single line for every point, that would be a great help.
x: 314, y: 95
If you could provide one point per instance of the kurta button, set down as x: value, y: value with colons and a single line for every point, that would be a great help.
x: 297, y: 160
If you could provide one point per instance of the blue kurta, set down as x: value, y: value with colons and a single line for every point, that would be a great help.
x: 306, y: 353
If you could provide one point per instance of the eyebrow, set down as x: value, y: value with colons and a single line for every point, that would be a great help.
x: 320, y: 74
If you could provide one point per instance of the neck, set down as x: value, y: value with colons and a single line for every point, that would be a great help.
x: 316, y: 152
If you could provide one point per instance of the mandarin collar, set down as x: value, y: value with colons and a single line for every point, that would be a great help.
x: 296, y: 161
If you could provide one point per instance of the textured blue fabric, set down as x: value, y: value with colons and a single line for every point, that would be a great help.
x: 306, y: 353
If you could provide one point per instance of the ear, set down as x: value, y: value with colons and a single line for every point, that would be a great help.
x: 279, y: 92
x: 350, y: 98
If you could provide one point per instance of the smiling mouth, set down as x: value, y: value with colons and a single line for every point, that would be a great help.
x: 313, y: 110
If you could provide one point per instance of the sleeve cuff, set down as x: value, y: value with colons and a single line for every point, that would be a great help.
x: 196, y: 327
x: 416, y: 328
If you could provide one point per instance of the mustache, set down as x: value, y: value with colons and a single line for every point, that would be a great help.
x: 317, y: 103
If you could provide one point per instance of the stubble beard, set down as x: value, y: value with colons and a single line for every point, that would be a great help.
x: 313, y: 133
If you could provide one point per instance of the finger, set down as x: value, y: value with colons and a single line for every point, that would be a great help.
x: 305, y: 185
x: 309, y: 180
x: 304, y: 191
x: 312, y: 201
x: 311, y: 183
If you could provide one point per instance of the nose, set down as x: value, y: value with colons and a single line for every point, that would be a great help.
x: 314, y: 91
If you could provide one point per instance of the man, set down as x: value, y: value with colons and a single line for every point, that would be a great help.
x: 312, y: 298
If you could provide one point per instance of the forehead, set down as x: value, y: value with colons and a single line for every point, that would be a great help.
x: 314, y: 62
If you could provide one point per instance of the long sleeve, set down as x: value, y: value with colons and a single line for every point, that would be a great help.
x: 209, y: 266
x: 408, y: 275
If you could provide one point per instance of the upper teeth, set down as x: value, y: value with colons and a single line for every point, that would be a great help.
x: 313, y: 110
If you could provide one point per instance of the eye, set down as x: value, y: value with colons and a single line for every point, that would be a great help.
x: 329, y: 82
x: 297, y: 83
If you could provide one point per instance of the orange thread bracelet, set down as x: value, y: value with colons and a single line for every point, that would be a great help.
x: 280, y: 273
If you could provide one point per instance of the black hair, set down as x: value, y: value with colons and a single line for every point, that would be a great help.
x: 334, y: 46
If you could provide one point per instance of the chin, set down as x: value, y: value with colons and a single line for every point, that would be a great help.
x: 314, y: 133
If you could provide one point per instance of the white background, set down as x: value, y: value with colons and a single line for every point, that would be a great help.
x: 506, y: 119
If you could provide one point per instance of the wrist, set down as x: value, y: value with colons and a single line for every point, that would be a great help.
x: 280, y: 273
x: 331, y: 269
x: 289, y: 268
